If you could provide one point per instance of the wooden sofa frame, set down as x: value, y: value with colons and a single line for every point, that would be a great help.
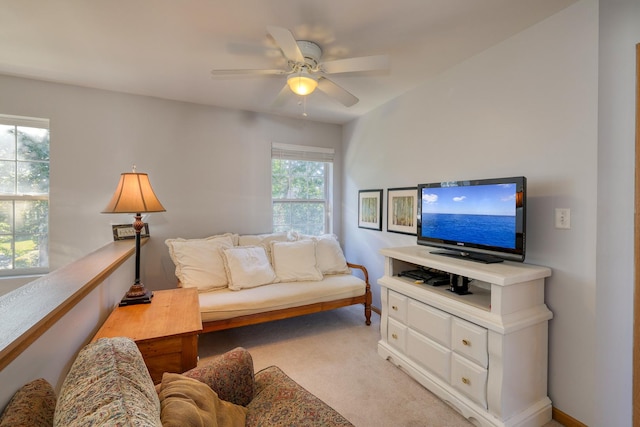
x: 252, y: 319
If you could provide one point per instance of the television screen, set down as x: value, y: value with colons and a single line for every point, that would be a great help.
x: 482, y: 220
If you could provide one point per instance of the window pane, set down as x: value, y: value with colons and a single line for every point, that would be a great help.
x: 316, y: 169
x: 279, y: 186
x: 7, y: 142
x: 281, y: 214
x: 307, y: 218
x: 279, y: 167
x: 298, y: 167
x: 293, y: 182
x: 32, y: 217
x: 7, y: 177
x: 31, y: 251
x: 6, y: 252
x: 298, y: 188
x: 6, y: 217
x: 33, y: 177
x: 24, y: 177
x: 31, y: 241
x: 315, y: 188
x: 33, y: 143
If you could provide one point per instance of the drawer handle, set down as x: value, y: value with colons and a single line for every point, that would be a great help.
x: 395, y: 307
x: 394, y: 336
x: 466, y: 381
x: 466, y: 342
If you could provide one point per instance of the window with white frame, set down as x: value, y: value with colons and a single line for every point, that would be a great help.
x: 24, y: 195
x: 301, y: 179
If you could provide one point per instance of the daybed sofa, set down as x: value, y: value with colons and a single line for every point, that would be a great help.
x: 248, y: 279
x: 109, y: 385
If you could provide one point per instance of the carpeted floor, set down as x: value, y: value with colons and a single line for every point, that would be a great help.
x: 334, y: 356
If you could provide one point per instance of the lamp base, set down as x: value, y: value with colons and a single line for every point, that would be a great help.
x: 142, y: 299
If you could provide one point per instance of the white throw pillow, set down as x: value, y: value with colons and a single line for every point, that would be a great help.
x: 329, y: 254
x: 199, y: 262
x: 264, y: 240
x: 295, y: 261
x: 247, y: 267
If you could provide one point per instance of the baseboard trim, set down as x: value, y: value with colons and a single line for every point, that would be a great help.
x: 376, y: 310
x: 564, y: 419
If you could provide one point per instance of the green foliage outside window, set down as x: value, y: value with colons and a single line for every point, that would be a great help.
x: 298, y: 190
x: 24, y: 197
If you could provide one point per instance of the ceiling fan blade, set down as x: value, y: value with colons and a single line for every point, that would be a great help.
x: 216, y: 73
x: 287, y: 43
x: 336, y: 92
x: 282, y: 97
x: 351, y: 65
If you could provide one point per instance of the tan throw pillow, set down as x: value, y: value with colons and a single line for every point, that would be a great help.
x: 33, y: 405
x: 329, y: 254
x: 295, y: 261
x: 188, y: 402
x: 247, y: 267
x: 199, y: 262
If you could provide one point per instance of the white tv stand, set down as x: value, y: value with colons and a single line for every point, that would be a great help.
x: 484, y: 353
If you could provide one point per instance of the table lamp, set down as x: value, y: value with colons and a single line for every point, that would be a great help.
x: 134, y: 195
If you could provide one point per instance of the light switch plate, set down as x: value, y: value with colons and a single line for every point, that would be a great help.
x: 563, y: 218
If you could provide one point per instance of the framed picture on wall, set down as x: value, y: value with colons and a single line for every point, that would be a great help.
x: 402, y: 210
x: 370, y: 209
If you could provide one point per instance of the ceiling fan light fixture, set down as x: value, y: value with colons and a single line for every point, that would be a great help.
x: 302, y: 83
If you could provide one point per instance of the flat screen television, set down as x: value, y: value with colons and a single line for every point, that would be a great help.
x: 482, y: 220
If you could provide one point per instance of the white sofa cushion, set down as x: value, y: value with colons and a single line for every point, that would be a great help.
x: 199, y: 262
x: 226, y: 304
x: 295, y: 261
x: 247, y: 267
x: 329, y: 255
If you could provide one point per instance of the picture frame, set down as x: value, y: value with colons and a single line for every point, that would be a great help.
x: 126, y: 231
x: 370, y: 209
x: 402, y: 210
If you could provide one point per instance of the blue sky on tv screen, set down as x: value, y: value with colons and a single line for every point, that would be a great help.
x: 492, y: 199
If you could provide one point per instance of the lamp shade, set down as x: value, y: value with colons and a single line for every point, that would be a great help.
x: 134, y: 195
x: 302, y: 83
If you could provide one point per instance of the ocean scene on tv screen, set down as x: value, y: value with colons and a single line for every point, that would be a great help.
x: 481, y: 215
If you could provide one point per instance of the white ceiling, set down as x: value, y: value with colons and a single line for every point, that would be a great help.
x: 166, y: 48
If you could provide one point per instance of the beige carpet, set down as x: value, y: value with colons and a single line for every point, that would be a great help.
x: 334, y: 356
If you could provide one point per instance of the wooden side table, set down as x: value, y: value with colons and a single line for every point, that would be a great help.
x: 166, y: 331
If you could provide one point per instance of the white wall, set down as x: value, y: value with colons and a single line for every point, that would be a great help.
x: 210, y: 167
x: 527, y: 106
x: 619, y: 33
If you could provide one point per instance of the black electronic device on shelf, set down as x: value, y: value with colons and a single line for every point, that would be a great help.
x: 459, y: 284
x: 433, y: 278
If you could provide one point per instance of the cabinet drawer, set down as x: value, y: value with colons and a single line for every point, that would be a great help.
x: 470, y: 340
x: 429, y: 354
x: 397, y: 335
x: 430, y: 321
x: 469, y: 379
x: 398, y: 306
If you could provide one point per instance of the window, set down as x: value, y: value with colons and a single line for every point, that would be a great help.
x: 24, y: 195
x: 301, y: 188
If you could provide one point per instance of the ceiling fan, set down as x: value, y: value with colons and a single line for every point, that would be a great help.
x: 305, y: 71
